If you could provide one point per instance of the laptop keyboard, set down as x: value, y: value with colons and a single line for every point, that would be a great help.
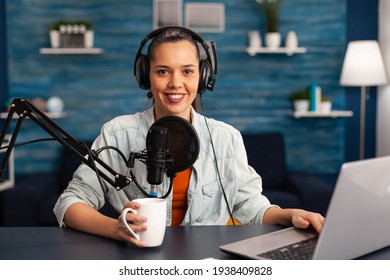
x: 302, y: 250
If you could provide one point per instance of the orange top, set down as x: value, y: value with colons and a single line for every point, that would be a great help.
x: 179, y: 199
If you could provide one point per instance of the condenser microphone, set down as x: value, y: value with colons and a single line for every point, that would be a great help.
x: 172, y: 146
x: 158, y: 157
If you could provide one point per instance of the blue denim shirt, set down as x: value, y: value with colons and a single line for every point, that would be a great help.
x: 206, y: 203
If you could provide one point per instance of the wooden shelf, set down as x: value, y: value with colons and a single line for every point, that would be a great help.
x: 282, y: 50
x: 332, y: 114
x: 4, y: 115
x: 71, y: 51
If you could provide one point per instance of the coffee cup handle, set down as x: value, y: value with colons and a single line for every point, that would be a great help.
x: 124, y: 221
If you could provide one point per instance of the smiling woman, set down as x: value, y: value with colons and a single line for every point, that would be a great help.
x: 174, y: 76
x: 219, y: 186
x: 203, y: 70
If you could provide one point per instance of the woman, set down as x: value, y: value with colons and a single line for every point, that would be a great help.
x: 174, y: 71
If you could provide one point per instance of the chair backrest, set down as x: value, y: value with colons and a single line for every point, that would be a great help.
x: 266, y: 154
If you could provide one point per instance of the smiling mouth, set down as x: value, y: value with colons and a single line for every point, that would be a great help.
x: 174, y: 98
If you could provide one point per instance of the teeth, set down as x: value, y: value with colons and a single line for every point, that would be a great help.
x: 175, y: 96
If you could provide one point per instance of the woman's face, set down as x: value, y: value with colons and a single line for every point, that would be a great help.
x: 174, y: 78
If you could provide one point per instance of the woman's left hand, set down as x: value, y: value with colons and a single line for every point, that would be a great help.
x: 296, y: 217
x: 303, y: 219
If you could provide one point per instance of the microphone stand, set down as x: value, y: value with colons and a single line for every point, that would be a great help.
x: 24, y: 108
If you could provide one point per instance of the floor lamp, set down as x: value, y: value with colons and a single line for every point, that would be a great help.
x: 363, y: 66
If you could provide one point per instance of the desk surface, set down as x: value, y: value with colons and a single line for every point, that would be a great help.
x: 181, y: 243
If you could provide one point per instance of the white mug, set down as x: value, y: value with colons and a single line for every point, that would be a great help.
x: 155, y: 209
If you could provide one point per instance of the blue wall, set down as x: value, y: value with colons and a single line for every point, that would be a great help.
x: 251, y: 93
x: 3, y: 56
x: 358, y: 29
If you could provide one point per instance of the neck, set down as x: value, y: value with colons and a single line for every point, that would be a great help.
x: 188, y: 117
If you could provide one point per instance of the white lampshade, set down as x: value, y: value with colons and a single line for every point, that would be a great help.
x: 363, y: 65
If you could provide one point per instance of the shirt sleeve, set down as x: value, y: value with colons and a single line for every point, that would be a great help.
x: 85, y: 186
x: 250, y: 204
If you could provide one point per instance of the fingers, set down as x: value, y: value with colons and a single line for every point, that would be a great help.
x: 318, y: 222
x: 305, y: 219
x: 127, y: 236
x: 135, y: 218
x: 135, y: 221
x: 131, y: 204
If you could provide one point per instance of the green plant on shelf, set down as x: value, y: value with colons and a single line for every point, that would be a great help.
x: 62, y: 23
x: 271, y: 11
x: 326, y: 98
x: 299, y: 95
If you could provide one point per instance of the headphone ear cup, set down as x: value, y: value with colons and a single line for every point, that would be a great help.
x: 204, y: 75
x: 142, y: 72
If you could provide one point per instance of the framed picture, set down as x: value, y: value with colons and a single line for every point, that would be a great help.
x: 167, y: 12
x: 205, y: 17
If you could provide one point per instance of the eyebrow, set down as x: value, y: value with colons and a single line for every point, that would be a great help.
x: 184, y: 66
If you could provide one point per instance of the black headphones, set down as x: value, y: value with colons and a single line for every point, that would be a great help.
x: 207, y: 67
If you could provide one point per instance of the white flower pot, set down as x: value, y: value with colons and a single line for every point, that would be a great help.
x: 88, y: 39
x: 273, y: 40
x: 301, y: 105
x: 54, y: 38
x: 326, y: 106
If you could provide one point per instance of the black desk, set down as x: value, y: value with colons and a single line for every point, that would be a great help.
x: 180, y: 243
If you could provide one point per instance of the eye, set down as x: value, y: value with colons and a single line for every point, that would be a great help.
x: 188, y: 71
x: 162, y: 72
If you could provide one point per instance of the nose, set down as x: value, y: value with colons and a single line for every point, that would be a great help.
x: 175, y: 81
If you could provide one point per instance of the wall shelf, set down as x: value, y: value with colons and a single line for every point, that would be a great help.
x: 282, y: 50
x: 71, y: 51
x: 332, y: 114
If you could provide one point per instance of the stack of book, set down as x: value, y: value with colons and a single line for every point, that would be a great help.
x: 315, y: 96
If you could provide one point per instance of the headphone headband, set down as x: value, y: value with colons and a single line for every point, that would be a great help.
x: 207, y: 67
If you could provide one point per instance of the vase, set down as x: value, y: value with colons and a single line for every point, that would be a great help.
x: 54, y: 38
x: 254, y: 39
x: 88, y: 39
x: 273, y: 40
x: 291, y: 40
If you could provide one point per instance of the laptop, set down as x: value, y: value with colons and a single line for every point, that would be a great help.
x: 357, y: 220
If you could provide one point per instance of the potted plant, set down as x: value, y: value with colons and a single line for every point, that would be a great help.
x: 88, y: 35
x: 300, y: 100
x: 271, y: 11
x: 326, y: 104
x: 63, y: 33
x: 54, y: 33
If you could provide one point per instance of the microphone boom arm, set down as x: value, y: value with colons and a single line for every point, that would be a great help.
x: 24, y: 108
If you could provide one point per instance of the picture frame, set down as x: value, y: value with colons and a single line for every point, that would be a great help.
x: 167, y: 12
x: 205, y: 17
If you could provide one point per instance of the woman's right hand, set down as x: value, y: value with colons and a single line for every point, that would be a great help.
x: 135, y: 221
